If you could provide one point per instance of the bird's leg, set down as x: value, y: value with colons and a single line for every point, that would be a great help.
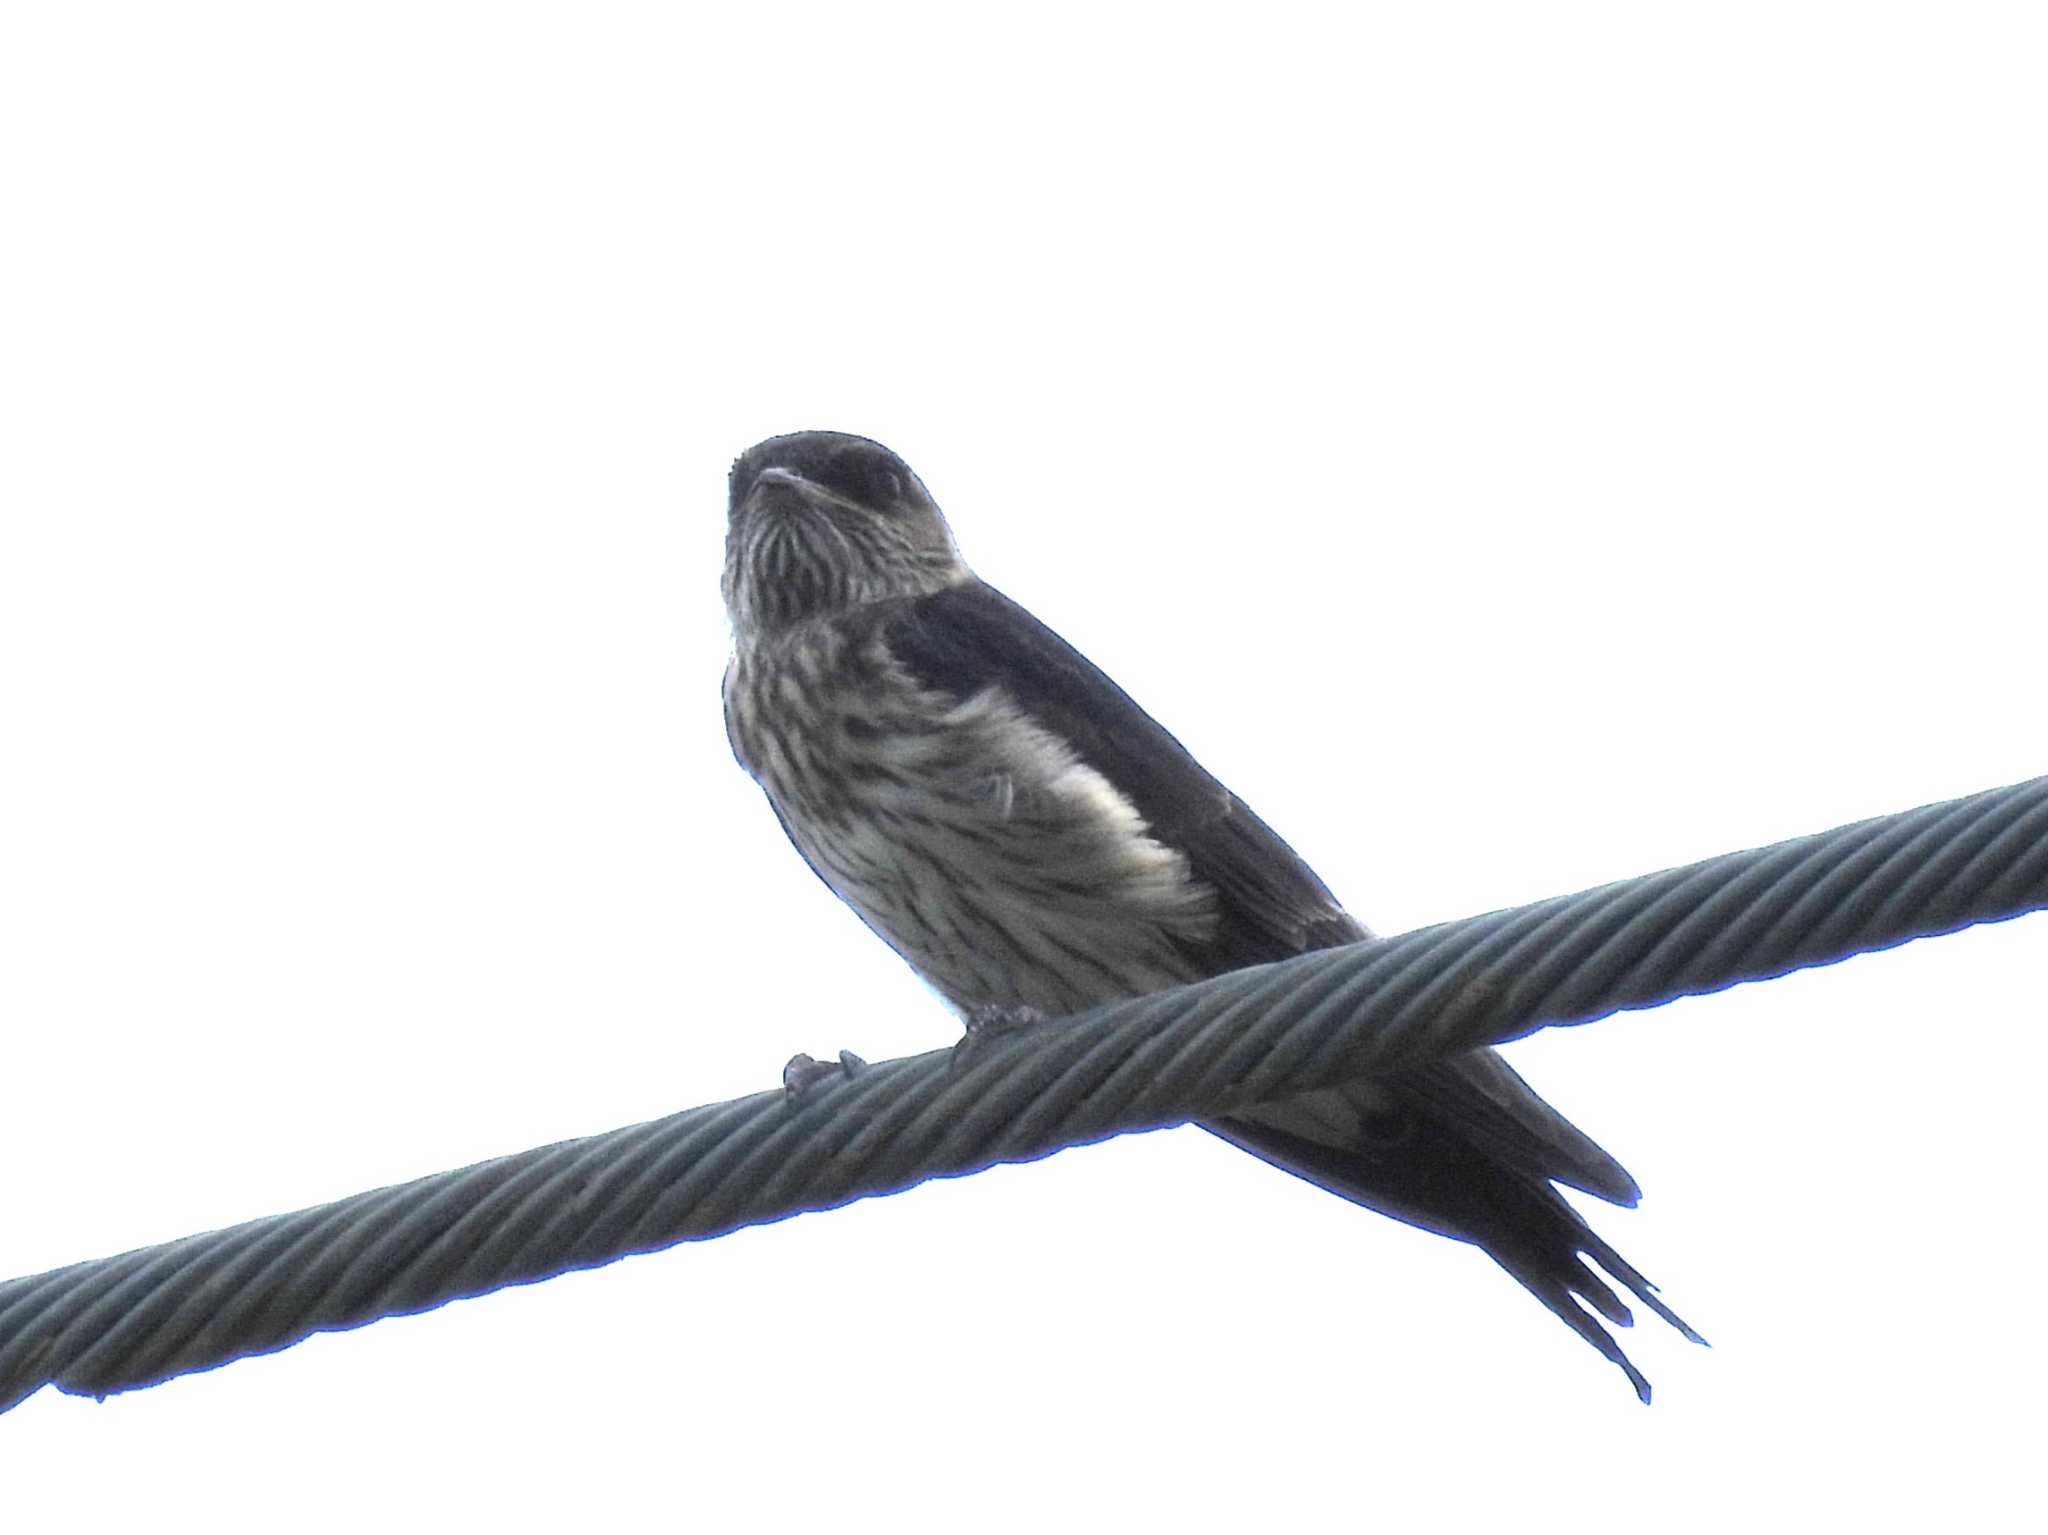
x: 803, y: 1073
x: 992, y: 1020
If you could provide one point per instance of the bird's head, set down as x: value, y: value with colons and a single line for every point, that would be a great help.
x: 821, y: 522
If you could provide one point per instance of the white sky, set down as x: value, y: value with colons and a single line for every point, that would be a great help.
x: 1514, y: 447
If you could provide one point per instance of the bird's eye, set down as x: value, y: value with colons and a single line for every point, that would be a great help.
x: 867, y: 475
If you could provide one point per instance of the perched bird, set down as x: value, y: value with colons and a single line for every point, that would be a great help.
x: 1033, y: 842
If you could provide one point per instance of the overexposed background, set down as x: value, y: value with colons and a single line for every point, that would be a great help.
x: 1515, y: 447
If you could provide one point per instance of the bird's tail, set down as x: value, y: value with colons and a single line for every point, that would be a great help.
x: 1408, y: 1159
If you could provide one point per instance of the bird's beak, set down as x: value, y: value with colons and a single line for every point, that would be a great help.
x: 782, y: 489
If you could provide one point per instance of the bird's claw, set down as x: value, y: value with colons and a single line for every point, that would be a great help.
x: 804, y: 1073
x: 989, y: 1021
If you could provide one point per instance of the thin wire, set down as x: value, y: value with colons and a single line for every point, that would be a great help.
x: 1199, y: 1051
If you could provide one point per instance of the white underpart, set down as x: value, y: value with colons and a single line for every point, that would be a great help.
x: 1036, y: 884
x: 1002, y: 868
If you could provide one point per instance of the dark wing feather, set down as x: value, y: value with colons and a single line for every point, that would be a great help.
x: 971, y: 637
x: 1271, y: 905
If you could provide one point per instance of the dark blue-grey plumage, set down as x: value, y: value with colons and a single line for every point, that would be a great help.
x: 1026, y: 836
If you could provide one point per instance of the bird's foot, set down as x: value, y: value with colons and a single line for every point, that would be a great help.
x: 990, y: 1021
x: 803, y: 1073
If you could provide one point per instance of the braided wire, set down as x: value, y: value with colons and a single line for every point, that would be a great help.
x: 1198, y: 1051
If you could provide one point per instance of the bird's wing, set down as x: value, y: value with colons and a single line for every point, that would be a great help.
x: 969, y: 638
x: 1462, y: 1146
x: 1271, y: 905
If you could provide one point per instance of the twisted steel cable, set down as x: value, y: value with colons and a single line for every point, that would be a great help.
x: 1197, y: 1051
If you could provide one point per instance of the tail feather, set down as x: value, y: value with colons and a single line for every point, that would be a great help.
x: 1423, y: 1171
x: 1490, y: 1104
